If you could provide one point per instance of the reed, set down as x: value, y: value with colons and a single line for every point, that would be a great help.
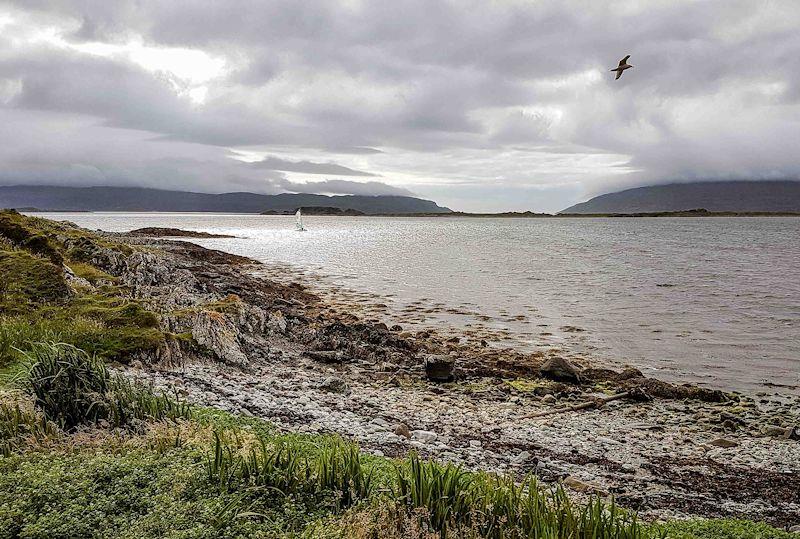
x: 497, y: 507
x: 333, y: 470
x: 340, y: 470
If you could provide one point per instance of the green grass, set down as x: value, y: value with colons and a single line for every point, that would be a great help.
x: 29, y: 280
x: 19, y: 427
x: 496, y: 506
x: 91, y: 273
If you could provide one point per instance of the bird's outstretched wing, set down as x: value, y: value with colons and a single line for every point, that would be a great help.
x: 624, y: 61
x: 619, y: 74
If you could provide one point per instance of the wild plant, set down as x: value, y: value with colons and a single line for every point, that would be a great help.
x: 19, y: 426
x: 73, y: 388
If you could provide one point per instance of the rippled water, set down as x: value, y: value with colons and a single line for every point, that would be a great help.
x: 709, y: 300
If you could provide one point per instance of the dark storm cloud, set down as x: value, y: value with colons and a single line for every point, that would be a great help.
x: 449, y: 91
x: 308, y: 167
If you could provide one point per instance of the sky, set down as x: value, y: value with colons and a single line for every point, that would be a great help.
x: 480, y: 106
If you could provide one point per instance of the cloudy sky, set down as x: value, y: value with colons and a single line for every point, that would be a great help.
x: 492, y: 105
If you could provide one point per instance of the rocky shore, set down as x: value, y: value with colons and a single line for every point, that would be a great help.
x: 245, y: 343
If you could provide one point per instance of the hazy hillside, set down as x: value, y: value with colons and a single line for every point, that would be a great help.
x: 740, y: 196
x: 140, y: 199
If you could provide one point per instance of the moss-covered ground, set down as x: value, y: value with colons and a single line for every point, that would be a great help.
x: 37, y: 303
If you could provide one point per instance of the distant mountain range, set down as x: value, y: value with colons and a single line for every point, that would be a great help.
x: 50, y: 198
x: 729, y: 196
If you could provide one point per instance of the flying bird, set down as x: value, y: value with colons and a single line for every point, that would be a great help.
x: 623, y: 65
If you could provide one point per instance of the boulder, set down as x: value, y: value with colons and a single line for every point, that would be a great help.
x: 440, y: 368
x: 219, y: 334
x: 424, y: 436
x: 560, y: 369
x: 401, y: 429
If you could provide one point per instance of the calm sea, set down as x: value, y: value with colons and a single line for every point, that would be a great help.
x: 708, y: 300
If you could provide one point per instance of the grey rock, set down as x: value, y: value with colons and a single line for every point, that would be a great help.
x: 560, y: 369
x: 334, y: 384
x: 424, y: 436
x: 772, y: 430
x: 520, y: 458
x: 277, y: 322
x: 584, y: 486
x: 324, y: 356
x: 722, y: 442
x: 219, y: 334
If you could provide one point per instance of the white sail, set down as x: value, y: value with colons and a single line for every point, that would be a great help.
x: 299, y: 220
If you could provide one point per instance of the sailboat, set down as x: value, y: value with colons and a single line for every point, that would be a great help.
x: 299, y: 221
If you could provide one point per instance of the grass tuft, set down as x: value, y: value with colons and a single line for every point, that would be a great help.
x: 334, y: 471
x: 73, y: 388
x: 498, y: 507
x: 19, y: 427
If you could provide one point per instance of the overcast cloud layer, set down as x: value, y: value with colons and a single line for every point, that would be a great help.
x: 480, y: 106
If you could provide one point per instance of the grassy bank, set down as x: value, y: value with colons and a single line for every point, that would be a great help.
x: 85, y: 306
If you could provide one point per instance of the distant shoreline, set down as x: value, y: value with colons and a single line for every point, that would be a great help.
x: 532, y: 215
x: 523, y: 215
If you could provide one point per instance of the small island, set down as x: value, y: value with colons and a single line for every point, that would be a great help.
x: 317, y: 210
x: 161, y: 232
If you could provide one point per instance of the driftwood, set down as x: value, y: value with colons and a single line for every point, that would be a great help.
x: 633, y: 394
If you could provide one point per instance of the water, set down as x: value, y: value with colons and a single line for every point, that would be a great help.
x: 714, y: 301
